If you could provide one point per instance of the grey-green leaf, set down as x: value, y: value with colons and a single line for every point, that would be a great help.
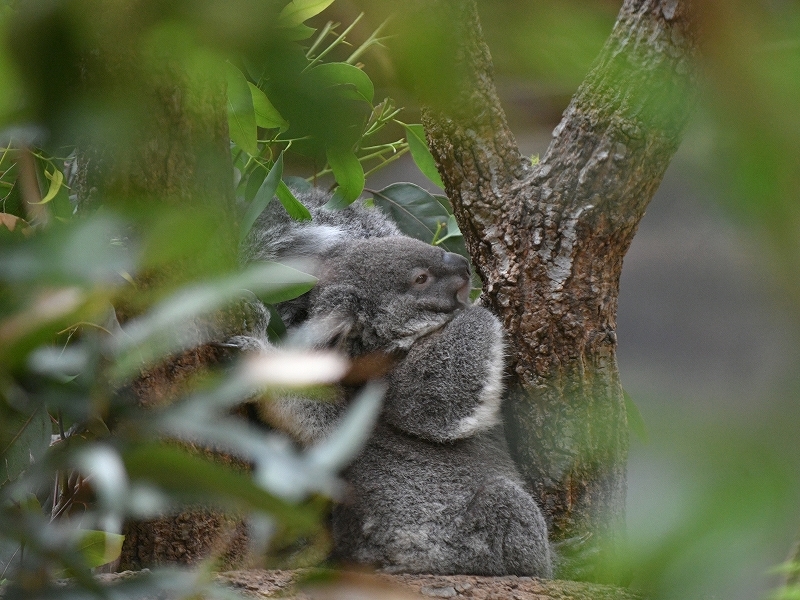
x: 349, y: 175
x: 262, y: 198
x: 99, y: 547
x: 635, y: 420
x: 292, y: 205
x: 31, y: 440
x: 298, y: 11
x: 418, y: 214
x: 343, y: 74
x: 241, y: 113
x: 415, y: 135
x: 267, y: 116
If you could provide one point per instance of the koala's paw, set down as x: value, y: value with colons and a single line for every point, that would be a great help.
x: 449, y: 386
x: 513, y: 530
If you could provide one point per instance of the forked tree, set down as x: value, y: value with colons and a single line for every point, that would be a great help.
x: 547, y: 239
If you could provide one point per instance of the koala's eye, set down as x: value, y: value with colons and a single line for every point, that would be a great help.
x: 421, y: 278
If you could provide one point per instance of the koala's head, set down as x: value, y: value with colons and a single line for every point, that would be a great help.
x: 385, y: 293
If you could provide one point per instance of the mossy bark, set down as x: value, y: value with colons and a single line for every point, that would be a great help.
x: 175, y: 156
x: 548, y: 241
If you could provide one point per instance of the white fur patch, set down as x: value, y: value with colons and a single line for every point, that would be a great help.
x: 487, y: 414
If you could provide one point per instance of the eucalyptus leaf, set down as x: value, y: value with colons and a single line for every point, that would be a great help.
x: 241, y: 112
x: 297, y: 33
x: 343, y: 74
x: 298, y: 184
x: 267, y: 116
x: 99, y: 547
x: 84, y: 252
x: 349, y: 175
x: 292, y: 205
x: 253, y: 182
x: 194, y: 477
x: 635, y: 420
x: 262, y: 198
x: 29, y: 440
x: 56, y: 179
x: 415, y: 135
x: 453, y: 231
x: 418, y: 214
x: 168, y: 327
x: 297, y: 11
x: 339, y: 448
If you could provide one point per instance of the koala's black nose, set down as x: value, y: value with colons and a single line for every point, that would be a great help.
x: 457, y: 263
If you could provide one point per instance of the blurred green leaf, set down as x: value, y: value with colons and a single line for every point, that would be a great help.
x: 349, y: 175
x: 343, y: 74
x: 298, y: 32
x: 635, y: 420
x: 262, y: 198
x: 253, y: 182
x: 56, y: 179
x: 350, y: 435
x: 297, y: 11
x: 24, y: 440
x: 415, y: 135
x: 193, y: 477
x: 292, y: 205
x: 168, y: 326
x: 241, y: 112
x: 267, y: 116
x: 83, y: 252
x: 99, y: 547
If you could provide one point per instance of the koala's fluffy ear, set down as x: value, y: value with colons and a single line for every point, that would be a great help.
x: 332, y: 318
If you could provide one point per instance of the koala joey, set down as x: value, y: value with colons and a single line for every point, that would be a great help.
x: 434, y: 490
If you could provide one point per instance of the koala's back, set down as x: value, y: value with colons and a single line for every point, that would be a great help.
x: 276, y: 236
x: 419, y: 506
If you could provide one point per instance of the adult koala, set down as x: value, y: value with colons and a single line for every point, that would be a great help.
x: 434, y: 490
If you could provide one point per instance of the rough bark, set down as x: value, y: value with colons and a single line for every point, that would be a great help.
x: 548, y: 241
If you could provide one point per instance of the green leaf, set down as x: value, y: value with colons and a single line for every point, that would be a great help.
x: 267, y: 116
x: 415, y: 135
x: 276, y: 328
x: 292, y: 205
x: 297, y: 33
x: 252, y: 182
x: 419, y: 215
x: 56, y: 179
x: 351, y: 433
x: 298, y: 11
x: 165, y: 328
x: 453, y: 231
x: 191, y: 476
x: 241, y: 113
x: 349, y: 175
x: 298, y: 183
x: 343, y: 74
x: 262, y: 198
x: 99, y: 547
x: 30, y: 438
x: 635, y: 420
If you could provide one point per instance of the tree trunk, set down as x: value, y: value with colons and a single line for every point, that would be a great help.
x: 174, y: 153
x: 548, y: 241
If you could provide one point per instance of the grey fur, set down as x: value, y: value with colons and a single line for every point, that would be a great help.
x: 435, y: 489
